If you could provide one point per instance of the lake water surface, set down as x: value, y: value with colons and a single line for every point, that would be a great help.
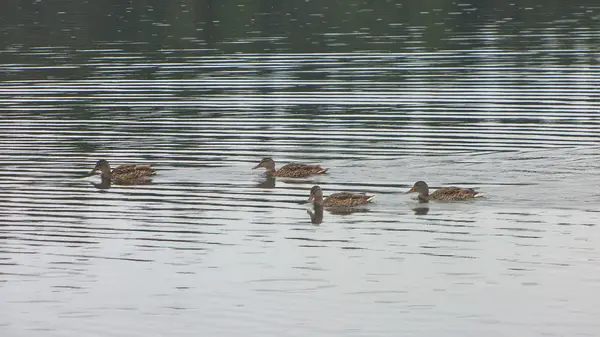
x: 502, y: 98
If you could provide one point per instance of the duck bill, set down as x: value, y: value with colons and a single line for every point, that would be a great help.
x: 255, y: 167
x: 311, y: 199
x: 410, y: 191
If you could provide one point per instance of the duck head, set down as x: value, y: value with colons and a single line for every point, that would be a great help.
x: 267, y: 163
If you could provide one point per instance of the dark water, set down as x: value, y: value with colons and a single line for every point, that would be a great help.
x: 500, y: 97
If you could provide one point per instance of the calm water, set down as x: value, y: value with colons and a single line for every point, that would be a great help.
x: 503, y: 98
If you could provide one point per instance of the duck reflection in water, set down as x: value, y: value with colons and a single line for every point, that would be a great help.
x: 316, y: 214
x: 268, y: 182
x: 421, y: 209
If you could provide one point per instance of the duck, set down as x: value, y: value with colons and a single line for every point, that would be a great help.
x: 340, y: 199
x: 127, y: 174
x: 445, y: 193
x: 293, y: 170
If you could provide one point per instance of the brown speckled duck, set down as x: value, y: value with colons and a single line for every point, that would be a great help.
x: 128, y: 174
x: 444, y: 193
x: 341, y: 199
x: 293, y: 170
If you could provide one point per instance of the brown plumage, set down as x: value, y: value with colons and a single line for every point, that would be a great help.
x: 293, y: 170
x: 128, y: 174
x: 341, y: 199
x: 444, y: 193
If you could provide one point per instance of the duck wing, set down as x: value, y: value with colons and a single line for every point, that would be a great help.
x: 133, y: 170
x: 297, y: 170
x: 453, y: 193
x: 347, y: 199
x: 132, y: 174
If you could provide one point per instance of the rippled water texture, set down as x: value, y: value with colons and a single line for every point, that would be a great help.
x: 502, y: 98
